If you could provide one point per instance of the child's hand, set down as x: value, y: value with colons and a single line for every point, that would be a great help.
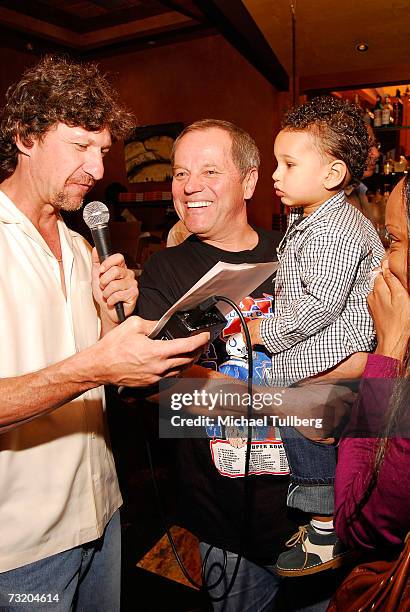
x: 254, y: 331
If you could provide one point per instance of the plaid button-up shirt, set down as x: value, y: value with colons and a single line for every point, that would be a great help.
x: 321, y: 315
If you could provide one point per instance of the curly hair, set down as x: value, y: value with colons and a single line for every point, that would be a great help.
x: 245, y: 153
x: 55, y: 90
x: 339, y: 130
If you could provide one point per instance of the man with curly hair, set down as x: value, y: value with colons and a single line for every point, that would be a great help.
x: 321, y: 316
x: 59, y: 495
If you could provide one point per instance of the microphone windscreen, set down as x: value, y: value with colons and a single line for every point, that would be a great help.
x: 96, y: 214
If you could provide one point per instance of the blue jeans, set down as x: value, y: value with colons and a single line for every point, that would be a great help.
x: 255, y: 587
x: 313, y: 467
x: 83, y: 579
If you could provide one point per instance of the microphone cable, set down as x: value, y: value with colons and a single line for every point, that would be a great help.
x: 246, y: 494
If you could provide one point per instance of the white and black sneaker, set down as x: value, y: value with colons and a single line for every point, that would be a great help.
x: 311, y: 552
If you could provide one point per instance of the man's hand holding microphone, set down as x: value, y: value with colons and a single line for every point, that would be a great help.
x: 125, y: 356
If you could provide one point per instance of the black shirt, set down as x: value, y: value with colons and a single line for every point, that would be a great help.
x: 211, y: 504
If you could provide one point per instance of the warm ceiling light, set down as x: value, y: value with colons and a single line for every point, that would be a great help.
x: 362, y: 47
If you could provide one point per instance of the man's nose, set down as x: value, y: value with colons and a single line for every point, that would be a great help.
x: 94, y: 166
x: 193, y: 184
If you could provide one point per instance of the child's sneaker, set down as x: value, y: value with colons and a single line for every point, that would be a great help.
x: 312, y: 552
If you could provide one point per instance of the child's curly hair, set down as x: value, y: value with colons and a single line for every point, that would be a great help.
x: 339, y: 130
x: 58, y: 89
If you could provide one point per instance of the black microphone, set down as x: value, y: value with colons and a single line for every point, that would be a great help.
x: 96, y: 215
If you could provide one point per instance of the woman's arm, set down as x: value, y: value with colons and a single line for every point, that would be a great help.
x: 383, y: 517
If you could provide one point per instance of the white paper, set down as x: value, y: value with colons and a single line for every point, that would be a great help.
x: 234, y: 281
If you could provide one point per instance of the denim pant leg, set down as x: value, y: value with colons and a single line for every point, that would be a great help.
x: 69, y: 581
x: 313, y: 467
x: 99, y: 585
x: 255, y: 587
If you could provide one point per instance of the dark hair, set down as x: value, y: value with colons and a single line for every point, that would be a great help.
x: 245, y: 153
x: 55, y: 90
x: 399, y: 403
x: 339, y: 130
x: 406, y: 200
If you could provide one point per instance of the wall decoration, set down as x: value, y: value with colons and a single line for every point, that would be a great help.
x: 148, y: 152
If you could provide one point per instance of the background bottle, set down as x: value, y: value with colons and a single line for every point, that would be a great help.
x: 386, y: 112
x: 388, y: 165
x: 398, y: 109
x: 377, y: 111
x: 377, y: 164
x: 368, y: 116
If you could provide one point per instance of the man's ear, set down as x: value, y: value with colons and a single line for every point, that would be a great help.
x: 24, y: 145
x: 337, y: 171
x: 249, y: 183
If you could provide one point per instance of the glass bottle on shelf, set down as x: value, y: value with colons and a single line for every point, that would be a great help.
x: 388, y: 165
x: 400, y: 163
x: 386, y: 112
x: 378, y: 165
x: 368, y: 116
x: 398, y: 109
x: 377, y: 112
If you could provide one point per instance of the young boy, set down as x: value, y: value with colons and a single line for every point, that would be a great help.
x: 320, y: 310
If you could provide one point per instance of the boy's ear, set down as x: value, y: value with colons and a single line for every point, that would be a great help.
x: 249, y: 183
x: 336, y: 174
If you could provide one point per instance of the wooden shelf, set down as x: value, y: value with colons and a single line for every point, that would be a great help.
x: 391, y: 174
x: 392, y: 128
x: 146, y: 204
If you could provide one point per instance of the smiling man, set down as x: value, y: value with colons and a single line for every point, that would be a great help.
x: 210, y: 189
x: 215, y: 170
x: 61, y: 342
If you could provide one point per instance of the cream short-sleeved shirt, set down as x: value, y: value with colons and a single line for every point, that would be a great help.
x: 58, y: 484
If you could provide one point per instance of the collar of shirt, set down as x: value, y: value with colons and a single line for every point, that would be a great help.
x: 297, y: 222
x: 10, y: 213
x: 331, y: 204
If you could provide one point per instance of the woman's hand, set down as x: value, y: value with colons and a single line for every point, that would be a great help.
x: 389, y: 305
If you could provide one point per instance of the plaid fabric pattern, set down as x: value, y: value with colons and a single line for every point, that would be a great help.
x: 321, y: 315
